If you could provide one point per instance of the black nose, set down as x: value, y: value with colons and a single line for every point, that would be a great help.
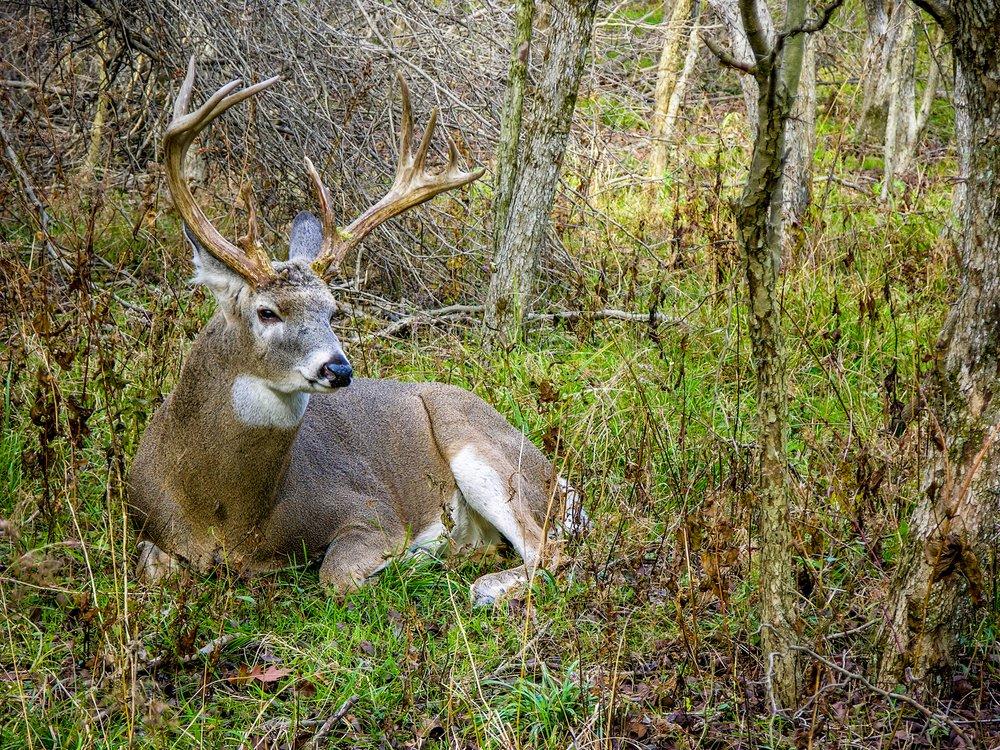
x: 338, y: 371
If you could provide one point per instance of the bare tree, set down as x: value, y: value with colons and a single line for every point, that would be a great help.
x: 889, y: 108
x: 677, y: 59
x: 953, y: 529
x: 516, y: 261
x: 776, y: 68
x: 889, y: 28
x: 728, y: 12
x: 800, y: 140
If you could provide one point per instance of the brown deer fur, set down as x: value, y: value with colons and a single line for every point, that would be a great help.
x: 267, y: 451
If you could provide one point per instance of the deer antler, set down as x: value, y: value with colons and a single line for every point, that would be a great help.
x: 251, y: 263
x: 412, y: 185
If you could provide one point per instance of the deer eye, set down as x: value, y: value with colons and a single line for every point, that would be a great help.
x: 267, y: 315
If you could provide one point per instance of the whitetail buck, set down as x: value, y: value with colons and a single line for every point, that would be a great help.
x: 269, y: 449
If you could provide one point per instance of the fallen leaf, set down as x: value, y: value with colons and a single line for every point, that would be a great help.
x: 265, y: 675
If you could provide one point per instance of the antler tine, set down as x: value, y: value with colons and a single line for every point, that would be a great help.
x: 425, y: 143
x: 411, y: 186
x: 251, y: 262
x: 325, y: 208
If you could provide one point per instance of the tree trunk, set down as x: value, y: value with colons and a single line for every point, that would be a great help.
x: 677, y: 96
x: 758, y: 223
x: 796, y: 184
x: 515, y: 264
x: 510, y: 125
x: 953, y: 530
x: 930, y: 90
x: 93, y: 157
x: 669, y: 71
x: 916, y: 125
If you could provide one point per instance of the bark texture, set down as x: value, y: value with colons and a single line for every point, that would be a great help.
x: 510, y: 125
x: 900, y: 120
x: 800, y: 140
x: 953, y: 531
x: 516, y: 261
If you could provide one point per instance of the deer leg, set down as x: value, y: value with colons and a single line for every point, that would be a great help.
x: 494, y: 490
x: 352, y: 558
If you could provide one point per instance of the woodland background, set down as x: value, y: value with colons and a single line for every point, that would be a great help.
x: 634, y: 367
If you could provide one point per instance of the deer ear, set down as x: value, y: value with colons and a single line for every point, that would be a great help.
x: 306, y: 237
x: 225, y: 283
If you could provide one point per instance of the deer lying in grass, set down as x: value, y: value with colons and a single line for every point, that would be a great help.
x: 269, y: 449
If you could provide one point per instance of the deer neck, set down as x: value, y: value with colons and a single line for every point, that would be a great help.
x: 231, y: 433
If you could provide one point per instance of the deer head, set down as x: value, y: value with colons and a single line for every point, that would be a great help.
x: 278, y: 314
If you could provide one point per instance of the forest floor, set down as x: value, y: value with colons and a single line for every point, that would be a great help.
x: 647, y: 639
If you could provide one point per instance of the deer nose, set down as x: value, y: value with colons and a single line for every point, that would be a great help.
x: 338, y: 371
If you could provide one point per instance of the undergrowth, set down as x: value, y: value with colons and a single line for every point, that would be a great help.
x: 648, y: 638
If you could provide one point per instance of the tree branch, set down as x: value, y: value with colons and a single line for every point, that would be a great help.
x: 941, y: 12
x: 727, y: 58
x: 31, y: 196
x: 458, y: 311
x: 820, y: 23
x: 809, y: 27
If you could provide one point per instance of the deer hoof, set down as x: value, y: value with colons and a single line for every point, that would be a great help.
x: 154, y: 564
x: 492, y: 588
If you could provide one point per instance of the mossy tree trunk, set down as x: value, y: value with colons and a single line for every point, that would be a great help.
x: 953, y: 530
x: 759, y: 234
x: 516, y: 261
x: 508, y: 149
x: 776, y: 68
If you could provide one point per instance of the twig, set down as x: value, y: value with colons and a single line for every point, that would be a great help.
x: 846, y: 183
x: 14, y: 84
x: 339, y: 714
x: 451, y: 311
x: 930, y: 714
x: 390, y: 50
x: 653, y: 317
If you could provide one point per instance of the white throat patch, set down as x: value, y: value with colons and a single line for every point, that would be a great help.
x: 257, y: 404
